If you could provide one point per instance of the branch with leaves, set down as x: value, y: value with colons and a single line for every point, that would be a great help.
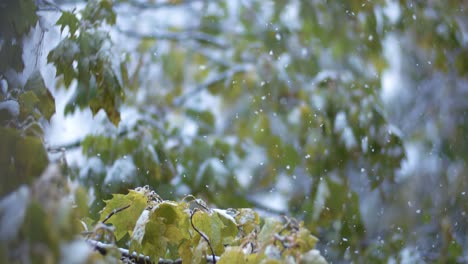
x: 203, y: 235
x: 178, y: 36
x: 151, y: 5
x: 225, y: 76
x: 156, y: 228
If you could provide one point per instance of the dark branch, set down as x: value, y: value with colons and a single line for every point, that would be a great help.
x: 114, y: 212
x: 137, y: 258
x: 102, y: 248
x: 202, y: 235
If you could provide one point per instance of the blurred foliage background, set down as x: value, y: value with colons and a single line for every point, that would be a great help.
x: 349, y: 115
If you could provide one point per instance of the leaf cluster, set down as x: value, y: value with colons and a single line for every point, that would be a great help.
x: 191, y: 231
x: 84, y: 56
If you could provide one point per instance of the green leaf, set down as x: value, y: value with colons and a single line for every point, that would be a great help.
x: 101, y: 146
x: 46, y: 102
x: 17, y: 18
x: 268, y: 230
x: 247, y: 220
x: 81, y: 203
x: 154, y: 243
x: 28, y: 101
x: 63, y: 57
x: 124, y: 222
x: 185, y: 251
x: 97, y: 11
x: 146, y: 44
x: 206, y: 119
x: 175, y: 219
x: 68, y: 19
x: 11, y: 55
x: 211, y: 225
x: 230, y: 230
x: 305, y: 241
x: 233, y: 255
x: 22, y: 158
x: 38, y: 229
x: 34, y: 129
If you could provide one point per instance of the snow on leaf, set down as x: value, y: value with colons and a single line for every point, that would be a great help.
x: 232, y: 255
x: 269, y: 228
x: 312, y: 257
x: 305, y: 240
x: 230, y: 230
x: 140, y: 226
x: 247, y: 219
x: 12, y: 211
x: 46, y: 103
x: 8, y: 109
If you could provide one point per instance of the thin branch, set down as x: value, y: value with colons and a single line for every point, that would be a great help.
x: 223, y: 76
x: 137, y: 258
x: 136, y: 4
x: 76, y: 144
x: 147, y: 5
x: 178, y: 36
x: 202, y: 234
x: 114, y: 212
x: 209, y: 54
x: 63, y: 148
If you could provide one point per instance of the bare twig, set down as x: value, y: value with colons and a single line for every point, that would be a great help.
x: 202, y: 234
x: 114, y: 212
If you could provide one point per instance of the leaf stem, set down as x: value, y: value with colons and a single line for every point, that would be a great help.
x: 114, y: 212
x: 202, y: 234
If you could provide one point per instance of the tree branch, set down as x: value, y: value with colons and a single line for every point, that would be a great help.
x: 226, y: 75
x: 137, y: 258
x: 202, y: 235
x: 178, y: 36
x: 147, y: 5
x: 75, y: 144
x: 135, y: 4
x: 114, y: 212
